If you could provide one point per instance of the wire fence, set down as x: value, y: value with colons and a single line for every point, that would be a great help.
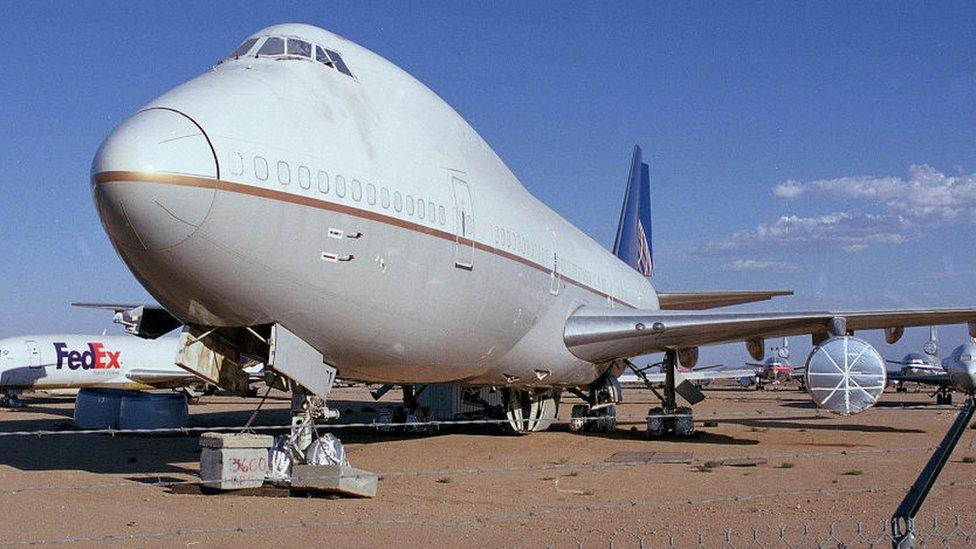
x: 955, y: 532
x: 935, y: 533
x: 621, y: 420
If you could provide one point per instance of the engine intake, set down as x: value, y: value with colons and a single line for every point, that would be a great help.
x: 845, y: 375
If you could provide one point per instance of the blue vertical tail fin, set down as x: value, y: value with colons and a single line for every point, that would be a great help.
x: 633, y: 244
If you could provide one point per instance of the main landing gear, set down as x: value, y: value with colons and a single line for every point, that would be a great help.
x: 599, y: 414
x: 943, y: 395
x: 669, y: 417
x: 11, y: 399
x: 529, y: 410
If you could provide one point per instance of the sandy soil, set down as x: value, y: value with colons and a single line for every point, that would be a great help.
x: 480, y: 488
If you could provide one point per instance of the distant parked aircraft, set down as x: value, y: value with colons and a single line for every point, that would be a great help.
x: 957, y: 372
x: 55, y: 362
x: 775, y: 369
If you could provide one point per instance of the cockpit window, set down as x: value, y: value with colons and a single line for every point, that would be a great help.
x: 244, y: 47
x: 299, y: 47
x: 272, y: 46
x: 339, y: 63
x: 290, y: 48
x: 321, y: 56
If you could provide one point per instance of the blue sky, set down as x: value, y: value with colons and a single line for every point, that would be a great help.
x: 828, y: 148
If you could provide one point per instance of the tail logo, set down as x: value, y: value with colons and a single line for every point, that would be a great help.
x: 645, y: 265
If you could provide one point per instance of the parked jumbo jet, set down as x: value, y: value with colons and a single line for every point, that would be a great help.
x: 307, y: 198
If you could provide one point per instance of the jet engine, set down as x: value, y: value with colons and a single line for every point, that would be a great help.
x: 845, y: 375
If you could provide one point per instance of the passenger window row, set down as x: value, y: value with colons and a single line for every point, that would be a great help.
x: 513, y: 241
x: 283, y: 48
x: 424, y: 210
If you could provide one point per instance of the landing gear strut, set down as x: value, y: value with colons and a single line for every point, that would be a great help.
x: 307, y: 409
x: 669, y: 417
x: 903, y: 521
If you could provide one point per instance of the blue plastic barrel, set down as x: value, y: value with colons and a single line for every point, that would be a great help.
x: 153, y: 411
x: 99, y: 408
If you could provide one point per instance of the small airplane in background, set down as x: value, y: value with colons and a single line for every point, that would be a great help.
x: 57, y: 362
x: 921, y: 364
x: 957, y: 372
x: 699, y: 375
x: 775, y: 369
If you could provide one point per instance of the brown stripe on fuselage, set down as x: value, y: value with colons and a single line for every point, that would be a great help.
x: 281, y: 196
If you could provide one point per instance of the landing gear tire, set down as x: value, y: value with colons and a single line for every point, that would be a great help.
x: 681, y: 422
x: 11, y: 399
x: 943, y: 397
x: 529, y: 410
x: 585, y: 419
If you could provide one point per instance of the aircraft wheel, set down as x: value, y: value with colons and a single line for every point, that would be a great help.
x: 529, y: 410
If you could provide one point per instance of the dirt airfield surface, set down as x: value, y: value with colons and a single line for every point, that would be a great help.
x: 475, y: 486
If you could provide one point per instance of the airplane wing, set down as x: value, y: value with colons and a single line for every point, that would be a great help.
x: 173, y: 378
x: 602, y: 334
x: 685, y: 301
x: 697, y: 375
x: 928, y: 379
x: 161, y: 378
x: 145, y: 321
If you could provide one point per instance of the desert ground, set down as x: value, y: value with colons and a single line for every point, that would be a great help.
x: 475, y: 486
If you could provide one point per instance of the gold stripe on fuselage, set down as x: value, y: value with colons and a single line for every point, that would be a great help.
x: 281, y: 196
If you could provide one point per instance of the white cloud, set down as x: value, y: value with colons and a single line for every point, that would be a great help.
x: 903, y: 207
x: 790, y: 189
x: 742, y: 265
x: 848, y: 231
x: 928, y: 196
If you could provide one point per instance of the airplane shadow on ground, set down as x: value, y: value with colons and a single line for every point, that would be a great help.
x: 152, y: 454
x: 700, y: 437
x: 780, y: 423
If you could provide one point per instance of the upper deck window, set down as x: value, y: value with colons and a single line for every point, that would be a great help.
x: 272, y: 46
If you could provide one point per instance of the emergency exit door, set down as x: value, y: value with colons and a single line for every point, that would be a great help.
x: 33, y: 354
x: 463, y: 225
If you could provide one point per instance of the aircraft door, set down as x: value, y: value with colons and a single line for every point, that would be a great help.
x: 463, y: 225
x: 33, y: 354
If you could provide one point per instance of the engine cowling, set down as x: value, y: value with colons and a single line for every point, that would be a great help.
x: 845, y: 375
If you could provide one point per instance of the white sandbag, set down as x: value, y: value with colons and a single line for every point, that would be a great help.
x: 327, y: 450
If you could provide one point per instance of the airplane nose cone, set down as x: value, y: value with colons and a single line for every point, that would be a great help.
x: 153, y: 180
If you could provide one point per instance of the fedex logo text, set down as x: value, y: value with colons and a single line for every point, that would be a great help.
x: 94, y: 358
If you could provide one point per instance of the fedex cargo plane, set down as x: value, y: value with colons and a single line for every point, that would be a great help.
x: 307, y: 189
x: 48, y: 362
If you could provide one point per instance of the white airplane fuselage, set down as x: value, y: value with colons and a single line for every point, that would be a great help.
x: 281, y: 190
x: 961, y: 367
x: 79, y: 361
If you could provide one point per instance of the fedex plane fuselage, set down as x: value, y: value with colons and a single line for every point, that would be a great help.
x: 309, y: 182
x: 80, y: 361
